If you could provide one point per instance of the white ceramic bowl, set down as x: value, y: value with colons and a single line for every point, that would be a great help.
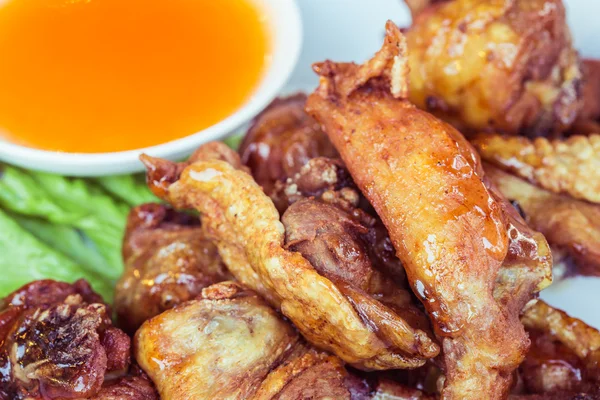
x: 283, y: 19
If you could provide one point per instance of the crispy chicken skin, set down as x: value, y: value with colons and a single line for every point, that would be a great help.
x: 281, y: 139
x: 229, y: 344
x: 168, y: 260
x: 570, y: 166
x: 569, y: 225
x: 57, y: 342
x: 245, y: 225
x: 425, y: 182
x: 495, y: 65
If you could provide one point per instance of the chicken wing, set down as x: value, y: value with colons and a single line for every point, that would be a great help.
x: 495, y: 65
x: 168, y: 260
x: 425, y: 182
x: 245, y: 225
x: 569, y: 225
x: 230, y: 344
x: 57, y: 341
x: 570, y: 166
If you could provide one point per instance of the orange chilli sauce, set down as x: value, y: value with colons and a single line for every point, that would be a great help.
x: 109, y: 75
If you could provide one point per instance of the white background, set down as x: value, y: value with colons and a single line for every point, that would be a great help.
x: 352, y: 30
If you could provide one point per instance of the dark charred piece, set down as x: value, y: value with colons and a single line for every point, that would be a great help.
x: 57, y: 341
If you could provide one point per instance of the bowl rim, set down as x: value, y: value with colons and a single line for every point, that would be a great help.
x: 285, y: 24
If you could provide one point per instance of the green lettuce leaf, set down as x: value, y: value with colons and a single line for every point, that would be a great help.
x: 234, y: 141
x: 66, y: 228
x: 25, y: 259
x: 74, y: 203
x: 69, y: 241
x: 131, y: 189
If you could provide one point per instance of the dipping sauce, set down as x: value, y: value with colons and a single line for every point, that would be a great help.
x: 110, y: 75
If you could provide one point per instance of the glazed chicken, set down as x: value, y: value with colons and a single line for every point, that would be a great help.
x: 332, y: 310
x: 495, y: 65
x: 168, y: 260
x: 450, y: 231
x: 571, y: 226
x: 229, y: 344
x: 57, y: 342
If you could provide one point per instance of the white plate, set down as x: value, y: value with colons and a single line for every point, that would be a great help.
x: 352, y: 30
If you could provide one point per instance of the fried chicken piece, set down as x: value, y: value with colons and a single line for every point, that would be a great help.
x: 245, y: 225
x: 591, y: 91
x: 328, y: 180
x: 291, y: 158
x: 570, y: 166
x: 326, y: 224
x: 281, y: 139
x: 335, y: 243
x: 565, y: 354
x: 230, y: 344
x: 568, y: 224
x: 57, y: 341
x: 425, y: 182
x: 168, y: 260
x: 503, y: 65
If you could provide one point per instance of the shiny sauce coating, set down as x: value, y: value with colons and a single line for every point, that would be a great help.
x: 109, y: 75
